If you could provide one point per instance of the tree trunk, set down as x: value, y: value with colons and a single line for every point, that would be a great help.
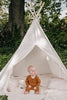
x: 16, y: 16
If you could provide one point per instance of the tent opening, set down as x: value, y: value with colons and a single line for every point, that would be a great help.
x: 37, y: 58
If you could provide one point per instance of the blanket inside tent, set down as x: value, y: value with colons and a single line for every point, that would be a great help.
x: 51, y: 87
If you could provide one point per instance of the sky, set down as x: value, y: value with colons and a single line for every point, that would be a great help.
x: 63, y: 8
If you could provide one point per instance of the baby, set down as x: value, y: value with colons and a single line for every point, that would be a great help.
x: 32, y: 81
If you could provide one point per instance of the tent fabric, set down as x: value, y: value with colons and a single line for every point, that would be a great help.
x: 35, y: 49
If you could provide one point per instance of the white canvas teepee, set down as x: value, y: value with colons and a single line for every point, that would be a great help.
x: 35, y: 49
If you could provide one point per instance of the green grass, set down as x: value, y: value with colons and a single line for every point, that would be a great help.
x: 3, y: 98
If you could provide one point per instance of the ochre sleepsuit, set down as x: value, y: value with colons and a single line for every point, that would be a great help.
x: 34, y: 82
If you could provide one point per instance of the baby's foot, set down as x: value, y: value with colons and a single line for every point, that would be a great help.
x: 37, y: 92
x: 26, y: 92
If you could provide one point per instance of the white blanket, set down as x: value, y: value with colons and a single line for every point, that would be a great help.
x: 51, y: 88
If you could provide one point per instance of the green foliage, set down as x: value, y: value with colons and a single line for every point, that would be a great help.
x: 8, y: 47
x: 50, y: 13
x: 9, y: 39
x: 4, y: 58
x: 3, y: 97
x: 57, y: 34
x: 4, y: 4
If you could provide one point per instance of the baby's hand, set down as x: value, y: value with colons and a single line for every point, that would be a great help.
x: 34, y: 88
x: 29, y: 86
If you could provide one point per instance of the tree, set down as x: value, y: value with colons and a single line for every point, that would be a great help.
x: 3, y: 13
x: 16, y: 17
x: 50, y: 12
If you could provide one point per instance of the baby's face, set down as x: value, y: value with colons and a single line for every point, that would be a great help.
x: 32, y: 71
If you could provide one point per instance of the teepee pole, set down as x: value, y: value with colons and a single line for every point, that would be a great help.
x: 40, y: 3
x: 31, y: 11
x: 40, y: 10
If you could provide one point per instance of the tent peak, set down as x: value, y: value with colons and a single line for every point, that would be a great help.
x: 34, y: 14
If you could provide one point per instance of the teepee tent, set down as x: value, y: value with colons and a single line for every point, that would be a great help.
x: 35, y: 49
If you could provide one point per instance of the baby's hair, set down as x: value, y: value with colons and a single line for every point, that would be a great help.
x: 31, y: 66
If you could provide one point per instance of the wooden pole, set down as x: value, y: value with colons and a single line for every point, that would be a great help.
x: 40, y: 9
x: 40, y: 3
x: 34, y: 14
x: 33, y: 9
